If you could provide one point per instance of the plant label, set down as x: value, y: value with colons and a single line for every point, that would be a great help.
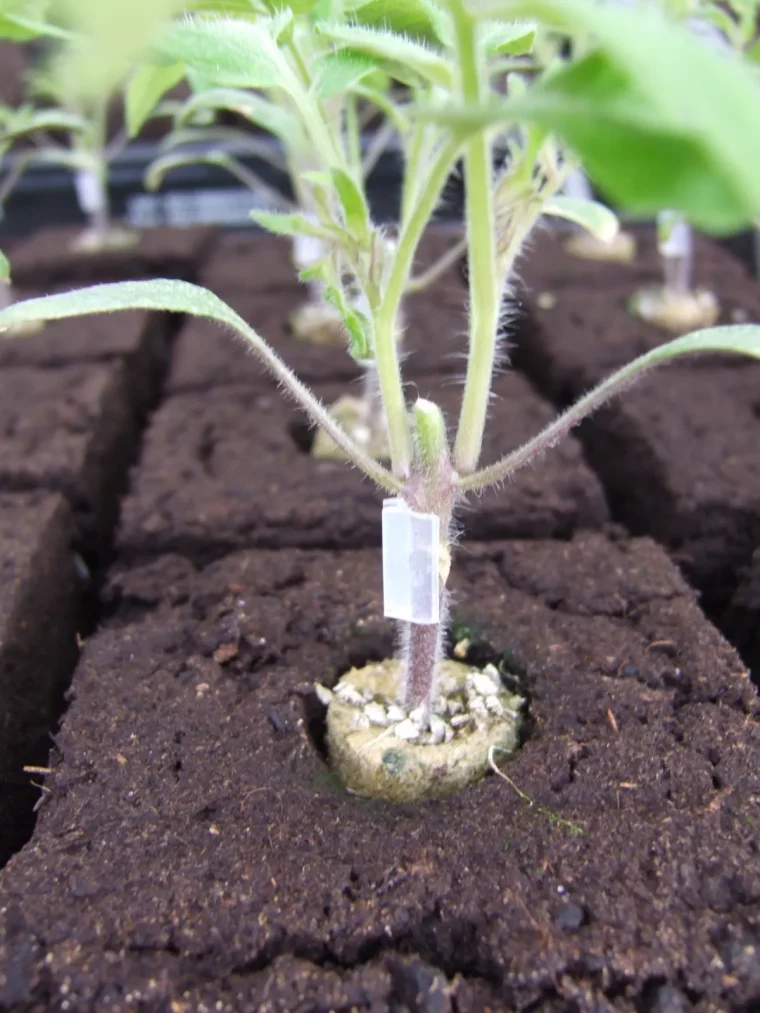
x: 411, y: 589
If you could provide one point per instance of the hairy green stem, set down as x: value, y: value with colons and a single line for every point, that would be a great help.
x: 431, y: 489
x: 485, y: 290
x: 386, y: 352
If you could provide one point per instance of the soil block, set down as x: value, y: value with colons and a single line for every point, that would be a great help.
x: 46, y: 258
x: 206, y: 356
x: 254, y: 275
x: 38, y: 650
x: 139, y: 340
x: 73, y: 430
x: 742, y: 620
x: 193, y: 851
x: 251, y: 261
x: 229, y: 468
x: 679, y: 455
x: 546, y: 267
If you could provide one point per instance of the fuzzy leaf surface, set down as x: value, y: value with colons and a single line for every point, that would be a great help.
x: 233, y: 52
x: 657, y: 117
x: 392, y: 49
x: 146, y: 87
x: 594, y: 217
x: 740, y: 339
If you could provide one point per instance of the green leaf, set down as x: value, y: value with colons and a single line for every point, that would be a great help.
x: 273, y: 118
x: 336, y: 72
x: 146, y: 87
x: 395, y: 50
x: 232, y: 52
x: 5, y: 269
x: 657, y: 118
x: 24, y: 20
x: 358, y: 327
x: 504, y: 39
x: 353, y: 203
x: 27, y: 120
x: 589, y: 214
x: 419, y: 20
x: 290, y: 224
x: 741, y: 339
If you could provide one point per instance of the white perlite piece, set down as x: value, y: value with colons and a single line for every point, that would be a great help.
x: 411, y: 564
x: 479, y: 702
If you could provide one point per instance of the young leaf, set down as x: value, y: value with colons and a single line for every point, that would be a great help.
x: 589, y: 214
x: 356, y: 324
x: 271, y: 117
x: 506, y: 39
x: 419, y: 20
x: 392, y: 49
x: 233, y: 53
x: 338, y: 71
x: 290, y: 225
x: 355, y: 210
x: 146, y: 87
x: 741, y: 339
x: 183, y: 297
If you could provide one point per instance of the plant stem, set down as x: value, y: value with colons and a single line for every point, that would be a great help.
x: 432, y: 489
x: 353, y: 136
x: 413, y: 154
x: 485, y: 290
x: 386, y: 315
x: 422, y: 652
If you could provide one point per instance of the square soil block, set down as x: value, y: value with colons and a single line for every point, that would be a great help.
x: 194, y: 851
x: 140, y: 340
x: 254, y: 275
x: 230, y: 467
x: 741, y: 622
x: 47, y: 258
x: 39, y: 606
x: 581, y: 336
x: 679, y: 455
x: 254, y: 262
x: 435, y: 341
x: 73, y: 429
x: 546, y: 267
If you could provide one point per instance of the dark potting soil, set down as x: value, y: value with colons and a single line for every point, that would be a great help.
x: 741, y: 622
x: 139, y: 340
x: 46, y: 258
x: 15, y: 62
x: 229, y: 468
x: 72, y: 429
x: 206, y: 356
x: 254, y: 274
x: 546, y: 267
x: 38, y: 650
x: 255, y: 262
x: 194, y: 852
x: 679, y: 456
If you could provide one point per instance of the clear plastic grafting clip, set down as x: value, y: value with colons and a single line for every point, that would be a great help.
x: 411, y: 564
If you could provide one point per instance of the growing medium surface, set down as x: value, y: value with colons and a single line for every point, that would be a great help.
x: 194, y: 850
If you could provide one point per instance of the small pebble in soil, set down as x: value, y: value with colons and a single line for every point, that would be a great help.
x: 571, y: 916
x: 668, y: 999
